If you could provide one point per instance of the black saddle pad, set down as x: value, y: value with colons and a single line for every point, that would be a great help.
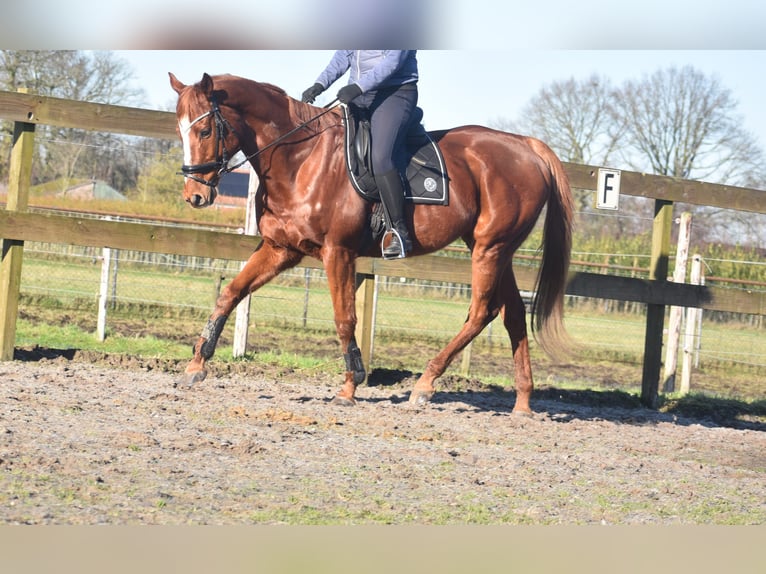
x: 427, y: 180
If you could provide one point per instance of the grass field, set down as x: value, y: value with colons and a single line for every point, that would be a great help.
x: 159, y: 311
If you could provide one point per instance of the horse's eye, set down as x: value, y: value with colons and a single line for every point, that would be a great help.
x: 205, y: 133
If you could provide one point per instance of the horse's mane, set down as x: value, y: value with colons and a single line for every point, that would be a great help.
x: 231, y: 77
x: 302, y: 111
x: 272, y: 88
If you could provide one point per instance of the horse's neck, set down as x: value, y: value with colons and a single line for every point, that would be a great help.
x: 267, y: 112
x: 271, y: 117
x: 264, y: 127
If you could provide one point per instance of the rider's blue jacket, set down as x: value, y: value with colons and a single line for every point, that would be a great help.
x: 372, y: 69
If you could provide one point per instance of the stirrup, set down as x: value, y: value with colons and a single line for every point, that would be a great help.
x: 389, y: 252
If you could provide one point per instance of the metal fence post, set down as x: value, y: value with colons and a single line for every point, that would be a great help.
x: 693, y: 329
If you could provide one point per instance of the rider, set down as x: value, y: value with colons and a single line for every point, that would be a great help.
x: 383, y: 82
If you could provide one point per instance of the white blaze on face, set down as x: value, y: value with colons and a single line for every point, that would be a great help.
x: 183, y: 127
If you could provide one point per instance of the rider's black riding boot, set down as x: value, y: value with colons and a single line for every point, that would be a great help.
x: 392, y: 197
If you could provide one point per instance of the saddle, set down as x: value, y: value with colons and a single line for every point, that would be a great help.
x: 426, y: 174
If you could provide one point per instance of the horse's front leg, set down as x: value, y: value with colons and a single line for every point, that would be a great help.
x: 266, y: 262
x: 341, y: 272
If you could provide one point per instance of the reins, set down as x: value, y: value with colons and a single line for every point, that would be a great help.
x: 327, y: 109
x: 221, y: 161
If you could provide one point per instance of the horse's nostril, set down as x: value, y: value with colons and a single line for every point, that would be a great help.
x: 196, y: 200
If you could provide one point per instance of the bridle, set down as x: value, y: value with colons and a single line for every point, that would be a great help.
x: 221, y: 163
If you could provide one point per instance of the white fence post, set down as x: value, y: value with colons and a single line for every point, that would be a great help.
x: 103, y: 293
x: 242, y: 318
x: 693, y: 329
x: 676, y: 313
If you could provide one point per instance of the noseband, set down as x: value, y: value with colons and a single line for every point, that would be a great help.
x: 220, y: 164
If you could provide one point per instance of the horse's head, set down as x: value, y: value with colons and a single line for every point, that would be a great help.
x: 208, y: 140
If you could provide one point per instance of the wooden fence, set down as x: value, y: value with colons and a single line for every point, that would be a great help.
x: 18, y: 225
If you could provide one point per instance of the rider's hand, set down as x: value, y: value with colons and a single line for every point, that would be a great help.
x: 348, y: 93
x: 310, y: 95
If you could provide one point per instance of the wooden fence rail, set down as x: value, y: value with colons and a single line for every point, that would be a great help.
x: 17, y: 225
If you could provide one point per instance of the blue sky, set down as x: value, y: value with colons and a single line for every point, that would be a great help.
x: 464, y: 86
x: 492, y: 56
x: 478, y: 24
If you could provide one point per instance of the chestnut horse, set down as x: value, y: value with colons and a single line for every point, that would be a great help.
x: 499, y: 183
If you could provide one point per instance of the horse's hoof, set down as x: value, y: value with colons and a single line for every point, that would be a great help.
x: 343, y: 401
x: 419, y: 398
x: 526, y: 413
x: 190, y: 379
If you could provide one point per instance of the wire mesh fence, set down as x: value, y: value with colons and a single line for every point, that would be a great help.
x: 412, y: 317
x: 145, y: 288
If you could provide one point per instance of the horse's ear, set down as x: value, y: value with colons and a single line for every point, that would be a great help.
x: 206, y: 85
x: 175, y: 83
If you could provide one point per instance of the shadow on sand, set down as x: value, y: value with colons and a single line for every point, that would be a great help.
x: 563, y: 405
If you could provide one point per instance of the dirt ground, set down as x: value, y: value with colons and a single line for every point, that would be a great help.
x: 93, y: 439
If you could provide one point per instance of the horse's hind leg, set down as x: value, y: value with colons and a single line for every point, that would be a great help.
x: 262, y: 266
x: 484, y: 308
x: 514, y: 320
x: 485, y: 303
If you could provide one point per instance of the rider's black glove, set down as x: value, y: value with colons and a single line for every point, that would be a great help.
x: 310, y: 95
x: 348, y: 93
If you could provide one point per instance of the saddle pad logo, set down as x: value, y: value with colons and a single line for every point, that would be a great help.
x: 429, y: 184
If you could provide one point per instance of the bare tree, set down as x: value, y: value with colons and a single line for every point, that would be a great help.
x: 573, y: 117
x: 682, y: 123
x: 62, y: 153
x: 677, y: 122
x: 76, y: 75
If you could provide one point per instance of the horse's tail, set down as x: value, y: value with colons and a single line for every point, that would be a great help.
x: 548, y: 303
